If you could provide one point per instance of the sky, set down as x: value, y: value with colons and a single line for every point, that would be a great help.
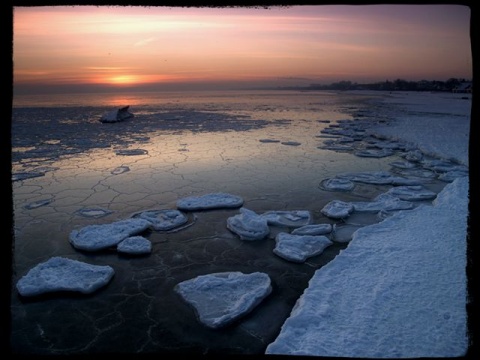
x: 93, y: 48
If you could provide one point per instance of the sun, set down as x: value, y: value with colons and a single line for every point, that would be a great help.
x: 123, y: 79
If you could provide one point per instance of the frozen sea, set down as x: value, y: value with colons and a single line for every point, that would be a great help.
x: 272, y: 148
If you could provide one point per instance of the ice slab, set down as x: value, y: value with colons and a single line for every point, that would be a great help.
x: 221, y: 298
x: 414, y: 155
x: 62, y: 274
x: 412, y: 193
x: 98, y: 237
x: 248, y: 225
x: 450, y: 176
x: 209, y: 201
x: 163, y: 220
x: 378, y: 178
x: 93, y: 212
x: 116, y: 115
x: 383, y: 202
x: 293, y: 218
x: 298, y: 248
x: 131, y: 152
x: 337, y: 209
x: 37, y: 204
x: 120, y: 170
x: 314, y: 229
x: 135, y: 245
x: 337, y: 184
x: 291, y: 143
x: 269, y: 141
x: 403, y: 164
x: 374, y: 153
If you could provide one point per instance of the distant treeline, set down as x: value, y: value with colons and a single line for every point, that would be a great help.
x: 396, y: 85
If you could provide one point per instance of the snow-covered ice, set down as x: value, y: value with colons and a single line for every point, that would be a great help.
x: 292, y: 218
x: 135, y: 245
x: 248, y: 225
x: 62, y: 274
x: 221, y: 298
x: 298, y: 248
x: 399, y: 289
x: 313, y: 229
x: 337, y: 209
x: 163, y: 220
x: 337, y: 184
x: 209, y: 201
x: 98, y: 237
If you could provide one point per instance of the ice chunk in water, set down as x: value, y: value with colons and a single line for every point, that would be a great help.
x: 298, y: 248
x: 209, y: 201
x: 248, y: 225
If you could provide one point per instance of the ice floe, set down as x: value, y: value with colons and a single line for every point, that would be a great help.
x: 37, y: 204
x: 26, y: 175
x: 374, y: 153
x: 291, y: 143
x: 135, y: 245
x: 403, y: 164
x: 131, y: 152
x: 93, y: 212
x: 414, y: 155
x: 337, y: 209
x: 163, y: 220
x: 337, y: 184
x: 62, y: 274
x: 209, y: 201
x: 248, y: 225
x: 449, y: 176
x: 383, y: 202
x: 117, y: 115
x: 298, y: 248
x: 120, y: 170
x: 293, y: 218
x: 98, y: 237
x: 313, y: 229
x: 378, y: 178
x: 221, y: 298
x: 269, y: 141
x: 412, y: 193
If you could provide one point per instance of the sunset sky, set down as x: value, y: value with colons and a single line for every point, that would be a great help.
x: 88, y: 48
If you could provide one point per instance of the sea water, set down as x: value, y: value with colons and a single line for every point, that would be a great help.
x: 69, y: 170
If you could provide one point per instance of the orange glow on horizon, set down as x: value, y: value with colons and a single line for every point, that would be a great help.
x: 133, y: 46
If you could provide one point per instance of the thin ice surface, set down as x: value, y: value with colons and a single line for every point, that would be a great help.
x: 221, y: 298
x: 62, y: 274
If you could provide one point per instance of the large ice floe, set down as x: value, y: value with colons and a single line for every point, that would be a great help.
x: 99, y: 237
x: 209, y: 201
x: 221, y: 298
x: 298, y: 248
x: 248, y: 225
x: 117, y: 115
x: 61, y: 274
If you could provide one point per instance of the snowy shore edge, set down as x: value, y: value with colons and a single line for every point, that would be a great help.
x: 400, y: 288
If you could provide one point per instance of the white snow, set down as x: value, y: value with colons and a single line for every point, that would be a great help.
x: 221, y: 298
x: 399, y: 289
x: 62, y: 274
x: 209, y: 201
